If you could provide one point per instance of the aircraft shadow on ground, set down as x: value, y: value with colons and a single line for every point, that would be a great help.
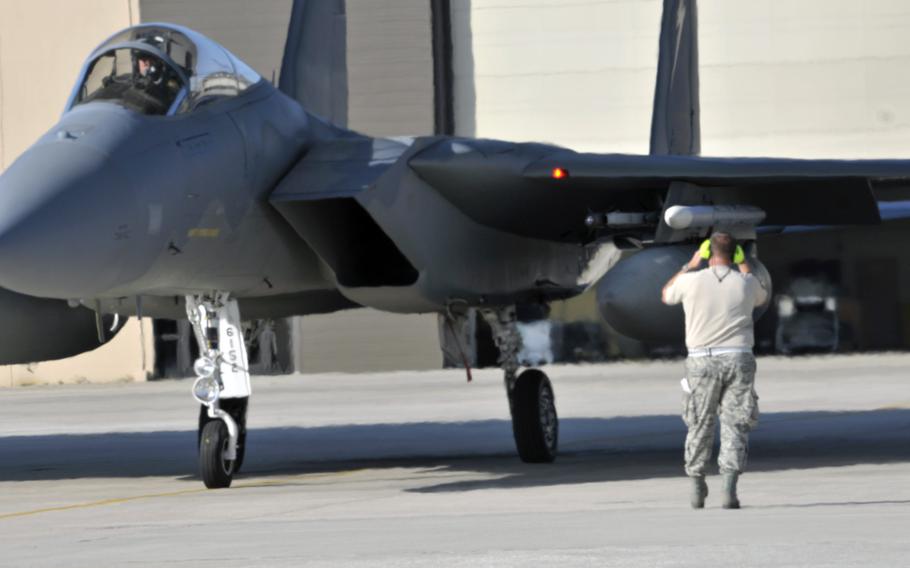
x: 592, y: 450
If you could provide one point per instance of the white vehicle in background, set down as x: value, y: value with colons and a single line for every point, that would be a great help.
x: 536, y: 343
x: 807, y: 318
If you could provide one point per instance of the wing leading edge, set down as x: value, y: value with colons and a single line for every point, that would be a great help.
x: 515, y: 187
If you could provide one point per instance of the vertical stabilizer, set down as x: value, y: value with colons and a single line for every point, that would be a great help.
x: 314, y: 67
x: 675, y: 127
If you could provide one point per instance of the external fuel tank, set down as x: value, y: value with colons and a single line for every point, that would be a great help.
x: 628, y: 296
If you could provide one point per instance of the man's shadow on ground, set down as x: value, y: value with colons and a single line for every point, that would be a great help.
x: 591, y: 450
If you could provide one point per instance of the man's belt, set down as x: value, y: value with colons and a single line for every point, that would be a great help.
x: 712, y: 351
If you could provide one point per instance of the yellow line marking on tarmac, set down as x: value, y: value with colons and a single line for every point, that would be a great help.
x: 120, y: 500
x: 99, y: 503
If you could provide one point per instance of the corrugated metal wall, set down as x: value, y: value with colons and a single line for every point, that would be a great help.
x: 253, y: 31
x: 390, y: 67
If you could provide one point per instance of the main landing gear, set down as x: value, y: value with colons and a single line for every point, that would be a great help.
x: 222, y: 386
x: 532, y: 403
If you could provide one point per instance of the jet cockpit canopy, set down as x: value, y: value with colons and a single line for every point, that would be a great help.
x: 161, y: 69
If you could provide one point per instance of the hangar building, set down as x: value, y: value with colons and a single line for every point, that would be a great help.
x: 819, y: 78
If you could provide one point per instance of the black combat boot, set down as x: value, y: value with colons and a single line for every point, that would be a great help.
x: 699, y: 492
x: 731, y: 501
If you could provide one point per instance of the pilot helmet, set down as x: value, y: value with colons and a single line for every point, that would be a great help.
x: 153, y: 39
x: 155, y: 72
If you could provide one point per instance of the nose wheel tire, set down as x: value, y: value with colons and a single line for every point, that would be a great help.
x: 216, y: 471
x: 535, y: 424
x: 237, y: 408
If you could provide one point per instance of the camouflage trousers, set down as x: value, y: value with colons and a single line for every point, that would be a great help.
x: 721, y: 385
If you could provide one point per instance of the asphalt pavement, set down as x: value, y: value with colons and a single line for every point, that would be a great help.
x: 418, y: 469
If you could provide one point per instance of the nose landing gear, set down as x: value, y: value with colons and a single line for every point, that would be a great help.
x: 222, y: 386
x: 532, y: 403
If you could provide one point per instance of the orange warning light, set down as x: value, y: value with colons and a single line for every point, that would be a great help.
x: 560, y: 173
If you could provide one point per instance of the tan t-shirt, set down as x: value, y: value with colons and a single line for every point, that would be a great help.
x: 718, y: 302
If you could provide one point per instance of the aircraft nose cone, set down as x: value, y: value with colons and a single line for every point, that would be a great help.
x: 49, y: 201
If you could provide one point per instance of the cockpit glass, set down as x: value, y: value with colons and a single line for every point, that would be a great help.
x: 189, y: 70
x: 132, y: 78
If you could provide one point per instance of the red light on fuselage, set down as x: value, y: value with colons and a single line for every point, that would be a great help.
x: 560, y: 173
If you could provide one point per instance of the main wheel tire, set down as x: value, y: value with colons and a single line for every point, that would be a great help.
x: 216, y: 471
x: 535, y: 424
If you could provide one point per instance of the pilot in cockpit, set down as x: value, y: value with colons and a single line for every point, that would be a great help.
x: 161, y: 69
x: 154, y: 84
x: 146, y: 64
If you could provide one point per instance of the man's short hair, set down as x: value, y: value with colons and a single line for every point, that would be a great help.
x: 723, y: 245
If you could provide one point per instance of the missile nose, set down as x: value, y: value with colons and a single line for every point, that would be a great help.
x: 46, y: 201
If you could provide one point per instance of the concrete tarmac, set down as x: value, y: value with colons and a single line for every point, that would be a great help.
x: 418, y: 469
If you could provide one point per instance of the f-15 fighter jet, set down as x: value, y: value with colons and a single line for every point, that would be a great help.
x: 179, y: 183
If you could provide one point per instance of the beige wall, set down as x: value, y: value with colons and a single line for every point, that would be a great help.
x: 130, y: 356
x: 814, y: 78
x: 781, y: 78
x: 578, y: 74
x: 43, y: 44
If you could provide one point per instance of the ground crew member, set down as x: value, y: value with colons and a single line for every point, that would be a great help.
x: 720, y: 370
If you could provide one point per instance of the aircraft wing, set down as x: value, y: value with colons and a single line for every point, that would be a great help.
x: 547, y: 192
x: 888, y: 210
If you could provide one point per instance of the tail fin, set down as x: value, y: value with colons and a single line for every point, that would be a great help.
x: 675, y: 124
x: 314, y: 67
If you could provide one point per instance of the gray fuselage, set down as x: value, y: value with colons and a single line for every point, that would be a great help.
x: 111, y: 203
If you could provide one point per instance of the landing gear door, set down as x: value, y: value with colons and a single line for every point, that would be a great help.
x: 234, y: 365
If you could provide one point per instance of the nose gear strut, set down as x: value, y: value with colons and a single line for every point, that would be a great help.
x: 222, y: 385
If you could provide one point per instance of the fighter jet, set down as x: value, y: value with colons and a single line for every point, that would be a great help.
x: 180, y: 183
